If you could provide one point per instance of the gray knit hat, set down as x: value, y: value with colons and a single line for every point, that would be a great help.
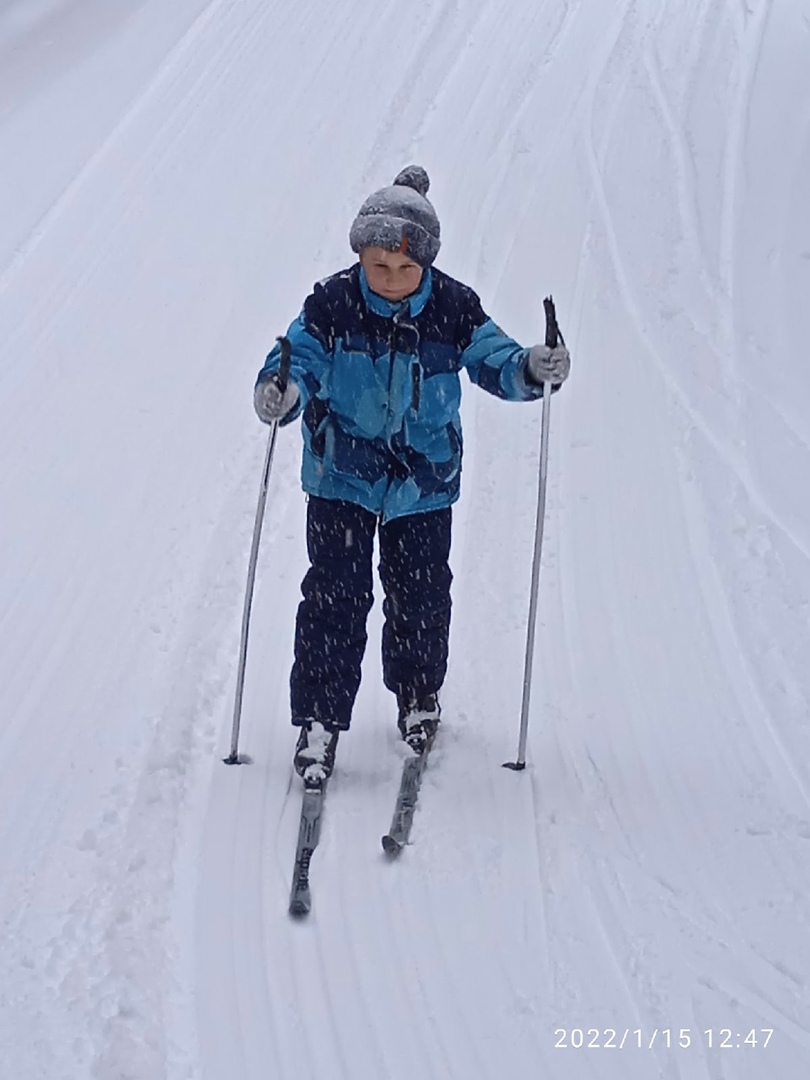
x: 400, y: 218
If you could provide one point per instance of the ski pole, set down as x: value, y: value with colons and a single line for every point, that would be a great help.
x: 235, y: 758
x: 553, y: 337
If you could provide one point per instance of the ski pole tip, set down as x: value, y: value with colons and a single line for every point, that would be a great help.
x: 238, y: 759
x: 391, y: 846
x: 515, y: 766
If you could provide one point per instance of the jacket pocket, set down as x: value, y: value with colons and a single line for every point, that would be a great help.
x: 316, y: 419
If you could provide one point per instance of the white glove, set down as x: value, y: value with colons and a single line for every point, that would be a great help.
x: 269, y: 402
x: 549, y: 365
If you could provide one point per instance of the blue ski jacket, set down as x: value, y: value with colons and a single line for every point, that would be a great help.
x: 380, y: 390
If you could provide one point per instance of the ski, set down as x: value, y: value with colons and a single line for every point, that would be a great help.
x: 397, y: 837
x: 309, y: 832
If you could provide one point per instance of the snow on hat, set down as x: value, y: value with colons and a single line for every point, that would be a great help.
x: 399, y: 218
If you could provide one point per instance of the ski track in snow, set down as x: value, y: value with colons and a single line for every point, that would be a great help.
x: 649, y: 869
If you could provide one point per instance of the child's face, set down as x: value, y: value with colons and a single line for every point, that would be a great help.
x: 389, y: 273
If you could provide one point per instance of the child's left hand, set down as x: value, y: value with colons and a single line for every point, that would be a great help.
x: 549, y: 365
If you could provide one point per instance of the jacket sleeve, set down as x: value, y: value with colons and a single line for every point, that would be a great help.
x: 496, y: 362
x: 310, y: 341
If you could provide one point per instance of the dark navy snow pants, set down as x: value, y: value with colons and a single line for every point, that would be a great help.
x: 330, y: 630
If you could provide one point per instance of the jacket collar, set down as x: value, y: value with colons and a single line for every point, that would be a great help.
x: 412, y: 304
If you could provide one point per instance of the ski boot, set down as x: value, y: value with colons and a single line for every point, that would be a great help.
x: 315, y: 753
x: 418, y: 720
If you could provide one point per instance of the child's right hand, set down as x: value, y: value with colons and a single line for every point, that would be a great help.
x: 269, y: 401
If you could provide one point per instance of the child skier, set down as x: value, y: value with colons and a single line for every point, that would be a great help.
x: 375, y: 360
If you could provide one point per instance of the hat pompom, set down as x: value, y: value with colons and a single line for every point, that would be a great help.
x: 413, y: 176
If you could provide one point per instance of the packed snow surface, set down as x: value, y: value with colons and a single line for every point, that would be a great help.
x: 174, y: 178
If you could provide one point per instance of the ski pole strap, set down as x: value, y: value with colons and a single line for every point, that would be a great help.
x: 553, y: 334
x: 283, y: 376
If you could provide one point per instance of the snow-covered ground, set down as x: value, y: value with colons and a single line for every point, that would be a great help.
x: 174, y: 177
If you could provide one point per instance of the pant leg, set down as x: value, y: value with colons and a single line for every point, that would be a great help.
x: 330, y: 629
x: 416, y: 577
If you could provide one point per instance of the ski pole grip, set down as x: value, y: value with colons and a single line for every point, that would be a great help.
x: 553, y: 335
x: 283, y: 376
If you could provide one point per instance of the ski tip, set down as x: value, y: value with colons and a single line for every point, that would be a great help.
x: 391, y: 846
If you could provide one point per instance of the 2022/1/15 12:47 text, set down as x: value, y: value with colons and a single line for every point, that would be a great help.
x: 668, y: 1038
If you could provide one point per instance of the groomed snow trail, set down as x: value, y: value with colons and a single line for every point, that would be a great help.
x: 176, y: 182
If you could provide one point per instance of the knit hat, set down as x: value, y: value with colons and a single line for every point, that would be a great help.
x: 399, y: 218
